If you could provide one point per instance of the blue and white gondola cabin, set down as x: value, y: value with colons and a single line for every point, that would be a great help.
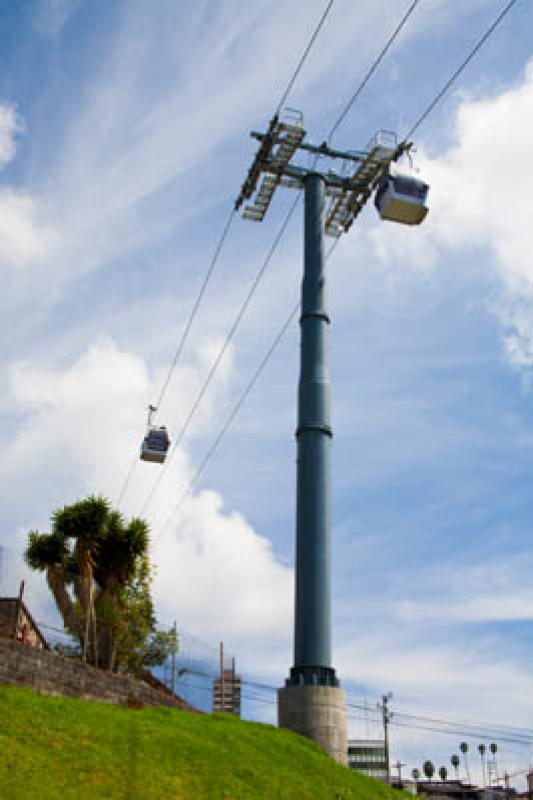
x: 401, y: 198
x: 155, y: 445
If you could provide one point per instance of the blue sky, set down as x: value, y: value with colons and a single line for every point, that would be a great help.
x: 123, y: 142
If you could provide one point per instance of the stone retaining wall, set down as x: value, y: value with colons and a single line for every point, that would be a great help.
x: 50, y: 673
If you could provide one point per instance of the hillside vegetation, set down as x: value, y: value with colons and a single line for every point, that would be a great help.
x: 61, y: 749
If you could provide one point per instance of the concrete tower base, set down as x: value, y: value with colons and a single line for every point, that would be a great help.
x: 317, y: 712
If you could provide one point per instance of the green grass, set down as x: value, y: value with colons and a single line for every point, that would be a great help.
x: 61, y: 749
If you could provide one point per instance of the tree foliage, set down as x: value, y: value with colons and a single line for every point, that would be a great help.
x: 98, y: 570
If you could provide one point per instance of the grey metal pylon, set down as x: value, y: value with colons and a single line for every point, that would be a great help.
x: 312, y: 635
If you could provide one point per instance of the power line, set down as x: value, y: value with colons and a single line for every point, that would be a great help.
x: 209, y: 689
x: 458, y: 71
x: 373, y: 68
x: 462, y: 732
x: 485, y: 726
x: 406, y: 725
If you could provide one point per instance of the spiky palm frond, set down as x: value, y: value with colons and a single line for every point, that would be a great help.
x: 45, y: 549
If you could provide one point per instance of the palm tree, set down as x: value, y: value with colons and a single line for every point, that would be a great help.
x: 97, y: 568
x: 415, y: 774
x: 84, y: 522
x: 443, y: 773
x: 463, y: 747
x: 429, y: 769
x: 482, y: 750
x: 455, y: 761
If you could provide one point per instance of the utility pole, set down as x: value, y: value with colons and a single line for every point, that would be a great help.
x: 311, y: 702
x: 174, y: 647
x: 399, y: 764
x: 232, y: 709
x: 18, y: 611
x: 222, y: 693
x: 386, y: 716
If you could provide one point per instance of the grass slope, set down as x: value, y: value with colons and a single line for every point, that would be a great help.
x: 58, y: 749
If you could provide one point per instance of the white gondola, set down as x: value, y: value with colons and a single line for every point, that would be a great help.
x: 156, y: 442
x: 401, y: 198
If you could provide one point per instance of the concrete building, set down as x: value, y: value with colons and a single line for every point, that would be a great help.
x: 368, y: 756
x: 227, y: 699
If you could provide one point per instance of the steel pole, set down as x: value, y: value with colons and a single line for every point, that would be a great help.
x: 312, y: 640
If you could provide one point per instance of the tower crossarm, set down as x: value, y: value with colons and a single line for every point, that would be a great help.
x: 277, y: 147
x: 346, y: 193
x: 344, y: 208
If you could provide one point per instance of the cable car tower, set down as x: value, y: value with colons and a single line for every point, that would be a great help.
x: 311, y: 702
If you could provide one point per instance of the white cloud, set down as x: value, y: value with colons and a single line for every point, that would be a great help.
x: 480, y: 199
x: 482, y: 186
x: 78, y: 428
x: 10, y: 124
x: 218, y: 575
x: 24, y: 239
x: 490, y: 591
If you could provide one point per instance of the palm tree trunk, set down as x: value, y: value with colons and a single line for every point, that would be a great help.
x: 95, y: 636
x: 56, y: 581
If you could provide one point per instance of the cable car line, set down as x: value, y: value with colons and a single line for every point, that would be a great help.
x: 196, y: 305
x: 218, y: 249
x: 372, y: 69
x: 223, y: 349
x: 279, y: 336
x: 458, y: 71
x: 286, y: 324
x: 184, y: 336
x: 127, y: 479
x: 304, y: 56
x: 214, y: 367
x: 236, y: 408
x: 229, y: 420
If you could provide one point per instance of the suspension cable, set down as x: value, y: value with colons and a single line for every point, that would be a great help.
x: 218, y: 249
x: 372, y: 69
x: 285, y: 326
x: 459, y: 69
x: 303, y: 58
x: 222, y: 351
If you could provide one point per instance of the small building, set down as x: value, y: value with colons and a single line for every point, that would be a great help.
x: 17, y: 624
x: 457, y: 790
x: 368, y: 756
x: 227, y: 693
